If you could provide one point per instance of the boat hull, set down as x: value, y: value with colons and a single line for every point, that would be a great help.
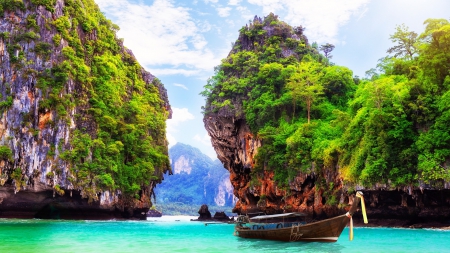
x: 327, y: 230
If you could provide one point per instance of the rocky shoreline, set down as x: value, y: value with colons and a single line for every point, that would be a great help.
x: 205, y: 215
x: 45, y: 204
x: 391, y: 223
x: 395, y: 223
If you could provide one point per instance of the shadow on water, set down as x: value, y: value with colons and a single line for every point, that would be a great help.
x: 275, y: 246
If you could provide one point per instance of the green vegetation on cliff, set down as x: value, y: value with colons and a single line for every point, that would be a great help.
x: 313, y: 116
x: 114, y: 108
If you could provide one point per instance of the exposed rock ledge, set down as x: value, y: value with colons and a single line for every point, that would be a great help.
x: 41, y: 202
x: 421, y: 209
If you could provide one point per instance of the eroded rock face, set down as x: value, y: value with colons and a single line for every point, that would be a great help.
x: 419, y: 208
x: 42, y: 203
x: 235, y: 147
x: 37, y: 134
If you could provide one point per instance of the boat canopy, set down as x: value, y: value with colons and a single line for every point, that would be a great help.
x: 282, y: 215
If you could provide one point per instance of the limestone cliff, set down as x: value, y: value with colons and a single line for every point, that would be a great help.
x: 251, y: 110
x: 81, y: 121
x: 237, y: 146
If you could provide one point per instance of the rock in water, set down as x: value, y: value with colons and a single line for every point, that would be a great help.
x: 154, y: 213
x: 204, y: 213
x: 77, y: 139
x: 221, y: 216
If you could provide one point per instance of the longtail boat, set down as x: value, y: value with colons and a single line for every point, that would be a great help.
x: 286, y: 227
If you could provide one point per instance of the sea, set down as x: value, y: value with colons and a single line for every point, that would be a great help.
x: 179, y: 234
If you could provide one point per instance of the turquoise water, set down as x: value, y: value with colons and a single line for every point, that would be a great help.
x: 167, y: 235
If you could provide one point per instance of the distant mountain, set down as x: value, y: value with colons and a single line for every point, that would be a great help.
x: 196, y: 180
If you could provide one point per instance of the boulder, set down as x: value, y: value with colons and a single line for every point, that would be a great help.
x: 221, y: 216
x: 204, y: 213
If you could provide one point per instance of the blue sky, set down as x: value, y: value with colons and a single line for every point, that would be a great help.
x: 181, y: 42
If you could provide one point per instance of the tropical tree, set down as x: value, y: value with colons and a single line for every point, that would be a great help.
x: 327, y: 48
x: 304, y: 84
x: 406, y: 42
x: 435, y: 52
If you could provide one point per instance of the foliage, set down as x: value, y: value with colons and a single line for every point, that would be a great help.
x: 58, y: 190
x: 18, y: 179
x: 6, y: 103
x: 327, y: 48
x: 406, y: 42
x: 48, y: 4
x: 5, y: 153
x: 17, y: 174
x: 378, y: 142
x: 304, y: 84
x: 43, y: 49
x: 311, y: 115
x: 10, y: 5
x: 4, y: 35
x: 3, y: 179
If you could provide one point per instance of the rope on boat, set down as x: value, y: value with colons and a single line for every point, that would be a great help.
x: 363, y: 210
x: 363, y: 207
x: 350, y: 235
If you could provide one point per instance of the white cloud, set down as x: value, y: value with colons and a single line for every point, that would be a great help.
x: 210, y: 1
x: 174, y: 71
x: 179, y: 115
x: 230, y: 22
x: 204, y: 25
x: 205, y: 139
x: 273, y: 5
x: 204, y: 144
x: 245, y: 13
x: 362, y: 13
x: 181, y: 85
x: 321, y: 18
x: 162, y: 34
x: 172, y: 141
x: 234, y: 2
x: 223, y: 12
